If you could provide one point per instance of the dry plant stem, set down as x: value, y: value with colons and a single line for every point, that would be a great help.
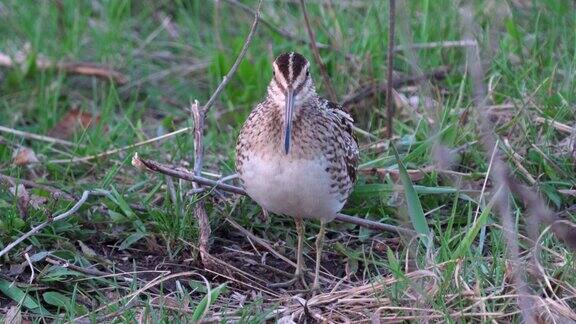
x: 282, y: 32
x: 81, y: 68
x: 91, y: 272
x: 85, y: 195
x: 42, y: 138
x: 317, y: 57
x: 27, y: 183
x: 367, y: 91
x: 121, y: 149
x: 443, y: 44
x: 199, y: 116
x: 557, y: 125
x: 500, y: 174
x: 199, y: 209
x: 389, y: 72
x: 156, y: 167
x: 156, y: 281
x: 260, y: 241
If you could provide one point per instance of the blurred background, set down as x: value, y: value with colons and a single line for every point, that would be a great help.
x: 78, y: 78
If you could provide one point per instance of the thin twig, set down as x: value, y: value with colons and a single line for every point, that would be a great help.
x: 38, y: 137
x: 91, y: 272
x: 80, y: 68
x: 121, y: 149
x: 389, y: 72
x: 317, y: 57
x: 155, y: 167
x: 85, y: 195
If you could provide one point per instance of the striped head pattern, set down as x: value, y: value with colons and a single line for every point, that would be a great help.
x: 291, y: 72
x: 291, y: 87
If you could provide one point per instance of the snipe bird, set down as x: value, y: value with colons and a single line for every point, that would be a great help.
x: 296, y: 154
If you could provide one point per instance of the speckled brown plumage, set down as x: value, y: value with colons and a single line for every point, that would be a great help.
x: 320, y: 129
x: 296, y: 154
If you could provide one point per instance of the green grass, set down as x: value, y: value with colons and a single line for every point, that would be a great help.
x: 529, y: 54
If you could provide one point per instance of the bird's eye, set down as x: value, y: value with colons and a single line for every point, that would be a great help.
x: 273, y: 72
x: 307, y: 72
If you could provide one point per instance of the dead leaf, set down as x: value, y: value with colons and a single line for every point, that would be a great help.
x: 75, y: 120
x: 567, y: 146
x: 37, y: 202
x: 24, y: 156
x: 13, y: 316
x: 17, y: 269
x: 22, y: 199
x: 88, y: 251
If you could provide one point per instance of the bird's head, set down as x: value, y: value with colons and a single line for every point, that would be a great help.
x: 290, y: 88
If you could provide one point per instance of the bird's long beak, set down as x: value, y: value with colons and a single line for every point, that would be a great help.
x: 288, y: 119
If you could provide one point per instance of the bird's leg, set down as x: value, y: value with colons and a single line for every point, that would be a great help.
x: 299, y: 273
x: 300, y: 252
x: 319, y: 246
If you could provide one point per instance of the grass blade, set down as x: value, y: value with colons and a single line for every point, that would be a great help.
x: 414, y: 206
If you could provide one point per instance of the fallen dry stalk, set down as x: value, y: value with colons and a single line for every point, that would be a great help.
x: 79, y: 68
x: 120, y: 149
x: 156, y: 167
x: 38, y: 137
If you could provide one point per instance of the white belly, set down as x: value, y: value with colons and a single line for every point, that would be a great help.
x: 297, y: 188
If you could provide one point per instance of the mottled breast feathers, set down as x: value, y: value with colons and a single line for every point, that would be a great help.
x: 321, y: 129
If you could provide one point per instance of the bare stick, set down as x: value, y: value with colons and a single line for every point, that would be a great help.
x: 51, y: 220
x: 80, y: 68
x: 121, y: 149
x: 317, y: 57
x: 155, y: 167
x: 239, y: 59
x: 37, y: 137
x: 389, y: 72
x: 198, y: 114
